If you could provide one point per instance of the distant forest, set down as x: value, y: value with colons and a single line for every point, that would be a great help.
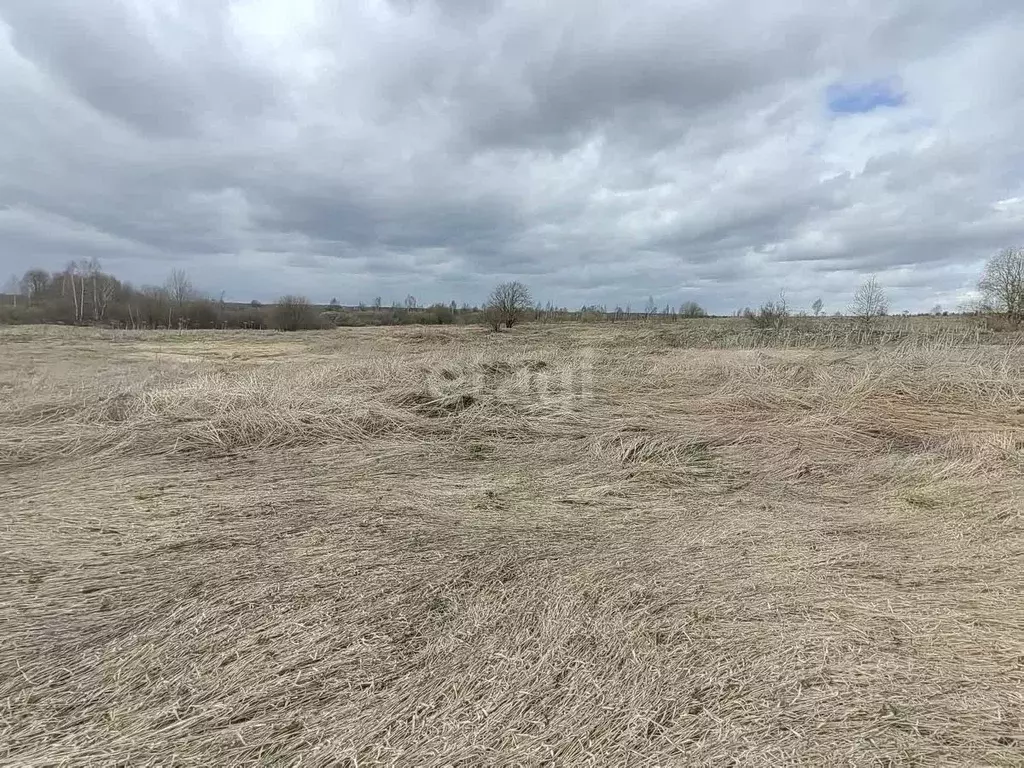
x: 83, y: 294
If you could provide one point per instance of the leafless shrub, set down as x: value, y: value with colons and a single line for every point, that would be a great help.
x: 771, y: 316
x: 691, y: 309
x: 294, y: 313
x: 507, y: 304
x: 492, y: 318
x: 869, y: 302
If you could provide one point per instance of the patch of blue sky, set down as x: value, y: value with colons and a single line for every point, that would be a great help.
x: 858, y: 98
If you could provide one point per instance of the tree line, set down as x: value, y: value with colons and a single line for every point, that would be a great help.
x: 83, y: 293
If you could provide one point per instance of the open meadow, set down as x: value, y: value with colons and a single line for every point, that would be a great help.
x: 562, y: 544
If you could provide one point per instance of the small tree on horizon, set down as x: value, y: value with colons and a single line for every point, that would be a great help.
x: 816, y: 307
x: 507, y: 304
x: 869, y: 302
x: 180, y: 288
x: 651, y: 308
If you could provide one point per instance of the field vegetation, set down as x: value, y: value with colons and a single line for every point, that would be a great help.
x: 625, y: 543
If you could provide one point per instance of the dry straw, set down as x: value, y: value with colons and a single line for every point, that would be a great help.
x: 562, y: 545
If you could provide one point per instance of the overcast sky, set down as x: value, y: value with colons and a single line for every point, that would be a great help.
x: 601, y: 152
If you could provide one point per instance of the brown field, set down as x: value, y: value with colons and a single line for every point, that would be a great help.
x: 559, y: 545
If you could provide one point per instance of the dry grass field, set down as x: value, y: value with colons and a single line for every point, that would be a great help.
x: 560, y: 545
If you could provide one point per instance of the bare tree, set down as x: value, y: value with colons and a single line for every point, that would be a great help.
x: 180, y: 291
x: 179, y: 288
x: 869, y: 302
x: 69, y: 270
x: 1002, y: 284
x: 74, y: 270
x: 106, y: 292
x: 95, y: 274
x: 410, y: 302
x: 12, y: 288
x: 507, y: 303
x: 816, y: 307
x: 34, y: 284
x: 650, y: 308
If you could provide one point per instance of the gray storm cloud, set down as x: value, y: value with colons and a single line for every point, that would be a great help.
x: 602, y: 152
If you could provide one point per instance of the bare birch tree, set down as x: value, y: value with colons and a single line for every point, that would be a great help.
x: 869, y: 302
x: 69, y: 275
x: 12, y: 288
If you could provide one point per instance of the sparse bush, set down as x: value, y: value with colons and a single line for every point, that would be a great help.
x: 253, y: 316
x: 340, y: 318
x: 294, y: 313
x: 770, y: 316
x: 1000, y: 323
x: 201, y: 313
x: 691, y: 309
x: 23, y: 314
x: 438, y: 314
x: 492, y: 318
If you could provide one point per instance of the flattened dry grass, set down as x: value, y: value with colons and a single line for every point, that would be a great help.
x: 559, y: 545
